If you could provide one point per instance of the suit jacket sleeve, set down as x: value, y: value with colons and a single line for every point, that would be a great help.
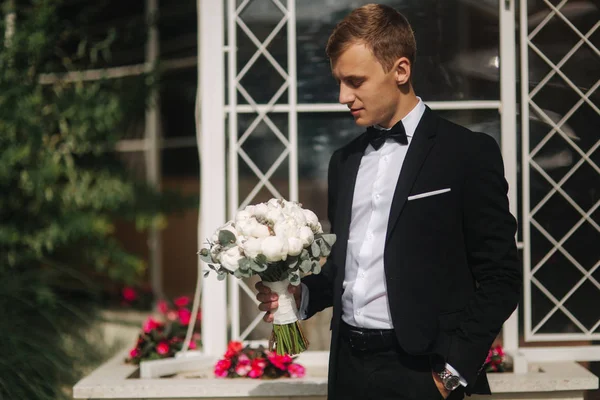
x: 489, y: 230
x: 321, y: 285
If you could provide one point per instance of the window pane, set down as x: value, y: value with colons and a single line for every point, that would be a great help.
x: 457, y: 57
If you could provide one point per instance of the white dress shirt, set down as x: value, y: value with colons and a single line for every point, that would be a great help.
x: 364, y: 300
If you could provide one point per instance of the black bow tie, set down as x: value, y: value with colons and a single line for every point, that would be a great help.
x: 377, y: 137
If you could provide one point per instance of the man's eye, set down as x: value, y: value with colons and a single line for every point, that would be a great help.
x: 356, y: 83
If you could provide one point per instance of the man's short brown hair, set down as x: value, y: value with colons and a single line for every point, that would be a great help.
x: 382, y: 29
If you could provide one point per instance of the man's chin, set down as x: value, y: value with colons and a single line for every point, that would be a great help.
x: 362, y: 122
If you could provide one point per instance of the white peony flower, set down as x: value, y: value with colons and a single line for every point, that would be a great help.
x: 306, y: 236
x: 311, y: 219
x: 275, y: 248
x: 252, y: 247
x: 274, y: 215
x: 260, y: 210
x: 250, y: 209
x: 251, y: 227
x: 229, y: 259
x: 294, y: 211
x: 295, y: 246
x: 242, y: 216
x: 286, y: 227
x: 274, y: 203
x: 240, y: 240
x: 260, y: 231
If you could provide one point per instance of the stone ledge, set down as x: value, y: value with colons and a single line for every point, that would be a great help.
x: 116, y: 380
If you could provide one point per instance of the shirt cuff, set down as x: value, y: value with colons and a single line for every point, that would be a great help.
x: 303, y: 302
x: 463, y: 382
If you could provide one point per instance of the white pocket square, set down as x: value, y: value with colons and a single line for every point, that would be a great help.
x: 428, y: 194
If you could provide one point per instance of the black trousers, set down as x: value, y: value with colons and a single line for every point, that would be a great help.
x: 385, y: 374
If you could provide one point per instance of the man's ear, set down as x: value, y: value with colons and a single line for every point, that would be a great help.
x: 403, y: 70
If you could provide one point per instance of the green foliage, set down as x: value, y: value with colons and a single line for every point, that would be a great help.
x: 61, y: 188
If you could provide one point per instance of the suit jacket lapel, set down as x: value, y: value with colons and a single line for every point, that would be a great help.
x: 349, y: 173
x: 422, y: 141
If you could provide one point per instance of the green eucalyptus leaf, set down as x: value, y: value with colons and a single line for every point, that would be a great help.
x: 316, y: 267
x: 245, y: 263
x: 206, y: 273
x: 221, y: 276
x: 226, y: 237
x: 306, y: 266
x: 330, y: 238
x: 259, y: 267
x: 261, y: 259
x: 315, y: 249
x: 206, y: 257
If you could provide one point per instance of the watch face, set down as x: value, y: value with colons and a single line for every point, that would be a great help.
x: 452, y: 382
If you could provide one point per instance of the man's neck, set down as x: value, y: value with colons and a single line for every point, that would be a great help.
x: 407, y: 104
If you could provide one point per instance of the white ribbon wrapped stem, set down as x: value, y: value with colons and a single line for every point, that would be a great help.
x: 287, y: 311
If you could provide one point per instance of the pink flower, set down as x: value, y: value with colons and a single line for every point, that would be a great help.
x: 134, y: 353
x: 222, y: 368
x: 172, y: 315
x: 151, y: 324
x: 184, y: 316
x: 280, y: 362
x: 296, y: 370
x: 162, y: 348
x: 129, y: 294
x: 243, y: 366
x: 182, y: 301
x: 193, y: 345
x: 162, y: 306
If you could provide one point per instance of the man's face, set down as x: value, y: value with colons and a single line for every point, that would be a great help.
x: 371, y: 94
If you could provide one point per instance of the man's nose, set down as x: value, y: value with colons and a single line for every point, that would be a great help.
x: 346, y: 95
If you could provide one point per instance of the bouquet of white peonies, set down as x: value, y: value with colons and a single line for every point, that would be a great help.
x: 279, y: 241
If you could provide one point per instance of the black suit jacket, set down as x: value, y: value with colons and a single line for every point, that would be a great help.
x: 450, y: 260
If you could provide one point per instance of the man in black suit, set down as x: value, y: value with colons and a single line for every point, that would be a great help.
x: 424, y: 271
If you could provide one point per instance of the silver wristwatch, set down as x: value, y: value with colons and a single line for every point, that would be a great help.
x: 449, y: 380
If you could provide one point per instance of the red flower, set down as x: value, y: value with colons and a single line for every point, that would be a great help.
x: 233, y: 349
x: 162, y: 306
x: 257, y: 368
x: 279, y: 361
x: 498, y: 350
x: 151, y: 324
x: 133, y: 353
x: 182, y: 301
x: 296, y: 370
x: 184, y: 316
x: 129, y: 294
x: 162, y: 348
x: 193, y: 345
x: 222, y: 368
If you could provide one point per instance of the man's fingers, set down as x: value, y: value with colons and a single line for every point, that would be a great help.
x: 268, y: 306
x: 262, y: 288
x: 266, y: 297
x: 268, y: 317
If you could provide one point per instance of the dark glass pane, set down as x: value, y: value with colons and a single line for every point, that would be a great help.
x: 178, y: 102
x: 457, y: 57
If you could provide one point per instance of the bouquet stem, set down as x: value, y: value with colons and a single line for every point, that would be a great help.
x: 288, y: 339
x: 287, y: 336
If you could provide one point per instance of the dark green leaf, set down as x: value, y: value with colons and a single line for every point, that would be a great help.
x: 226, y: 237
